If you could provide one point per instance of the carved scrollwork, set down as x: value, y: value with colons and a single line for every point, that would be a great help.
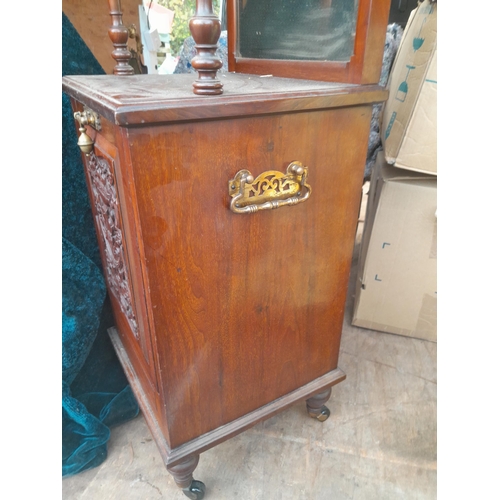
x: 109, y: 226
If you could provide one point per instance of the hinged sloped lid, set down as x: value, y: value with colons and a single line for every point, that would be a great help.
x: 140, y: 99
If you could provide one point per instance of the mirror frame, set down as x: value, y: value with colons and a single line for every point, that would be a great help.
x: 363, y: 68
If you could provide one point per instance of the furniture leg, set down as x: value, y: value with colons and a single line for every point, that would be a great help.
x: 316, y: 405
x: 183, y: 476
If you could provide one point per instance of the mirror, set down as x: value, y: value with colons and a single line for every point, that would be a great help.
x: 313, y: 30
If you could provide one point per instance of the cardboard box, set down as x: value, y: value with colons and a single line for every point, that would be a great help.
x: 396, y: 287
x: 409, y: 123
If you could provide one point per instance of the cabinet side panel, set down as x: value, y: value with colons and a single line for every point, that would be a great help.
x: 105, y: 186
x: 249, y: 307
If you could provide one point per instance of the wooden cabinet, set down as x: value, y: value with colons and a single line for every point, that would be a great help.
x: 226, y: 226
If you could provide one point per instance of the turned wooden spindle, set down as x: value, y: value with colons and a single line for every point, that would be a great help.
x: 316, y: 405
x: 205, y: 29
x: 183, y: 476
x: 119, y: 37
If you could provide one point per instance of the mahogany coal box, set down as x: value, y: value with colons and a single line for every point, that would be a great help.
x: 226, y: 214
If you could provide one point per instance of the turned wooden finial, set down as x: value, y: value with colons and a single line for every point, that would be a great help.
x: 119, y: 36
x: 205, y: 29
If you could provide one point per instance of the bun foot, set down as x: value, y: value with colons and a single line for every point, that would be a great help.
x: 316, y: 405
x: 195, y: 491
x: 323, y: 414
x: 183, y: 476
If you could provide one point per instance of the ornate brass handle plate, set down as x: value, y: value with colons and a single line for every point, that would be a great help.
x: 271, y: 189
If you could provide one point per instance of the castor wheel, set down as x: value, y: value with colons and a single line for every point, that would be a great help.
x: 316, y: 405
x: 195, y: 491
x: 323, y: 414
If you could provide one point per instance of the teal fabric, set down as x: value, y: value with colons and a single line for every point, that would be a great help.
x: 95, y: 392
x: 83, y: 292
x: 77, y: 219
x: 83, y: 295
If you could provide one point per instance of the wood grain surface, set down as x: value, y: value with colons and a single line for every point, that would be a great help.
x: 149, y: 99
x: 245, y: 308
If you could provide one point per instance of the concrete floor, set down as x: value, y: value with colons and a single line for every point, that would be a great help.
x: 380, y: 442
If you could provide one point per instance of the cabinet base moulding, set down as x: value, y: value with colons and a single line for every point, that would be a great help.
x: 203, y: 443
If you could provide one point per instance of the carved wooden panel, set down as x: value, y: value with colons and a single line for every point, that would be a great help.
x: 117, y: 236
x: 109, y: 226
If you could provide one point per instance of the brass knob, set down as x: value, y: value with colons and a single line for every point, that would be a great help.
x: 87, y: 117
x: 85, y: 143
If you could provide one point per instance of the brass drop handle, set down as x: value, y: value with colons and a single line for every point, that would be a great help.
x: 86, y: 117
x: 271, y: 189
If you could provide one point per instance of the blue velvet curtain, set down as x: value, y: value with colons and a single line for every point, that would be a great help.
x: 95, y: 392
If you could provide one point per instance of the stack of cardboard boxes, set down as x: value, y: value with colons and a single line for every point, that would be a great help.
x: 396, y: 289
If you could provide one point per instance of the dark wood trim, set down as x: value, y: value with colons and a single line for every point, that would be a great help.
x: 212, y: 438
x: 136, y: 248
x: 375, y: 41
x: 232, y: 23
x: 128, y: 116
x: 315, y: 96
x: 305, y: 70
x: 205, y: 30
x: 140, y: 395
x: 118, y: 33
